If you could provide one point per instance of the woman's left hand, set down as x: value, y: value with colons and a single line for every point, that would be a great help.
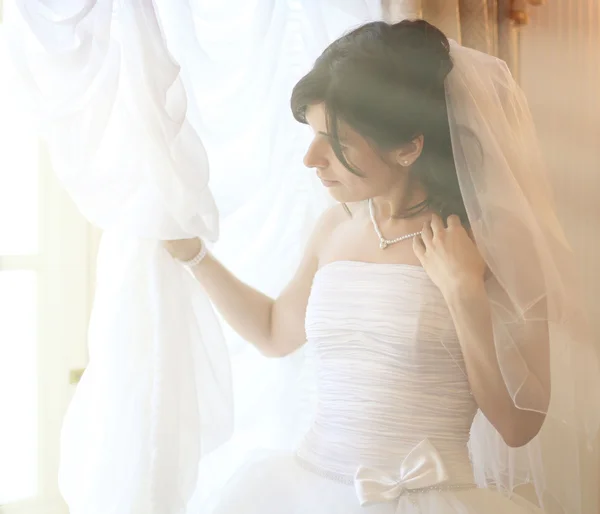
x: 449, y: 256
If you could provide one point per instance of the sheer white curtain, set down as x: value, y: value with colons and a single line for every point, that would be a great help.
x: 124, y: 89
x: 240, y: 60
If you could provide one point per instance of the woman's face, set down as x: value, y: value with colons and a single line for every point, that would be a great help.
x: 378, y: 176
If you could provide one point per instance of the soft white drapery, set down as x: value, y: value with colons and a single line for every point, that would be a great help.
x: 129, y: 94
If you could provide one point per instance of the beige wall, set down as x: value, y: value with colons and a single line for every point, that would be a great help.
x: 560, y: 72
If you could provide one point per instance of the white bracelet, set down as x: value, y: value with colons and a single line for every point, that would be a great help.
x: 192, y: 263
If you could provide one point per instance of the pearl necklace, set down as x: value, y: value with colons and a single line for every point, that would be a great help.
x: 383, y: 242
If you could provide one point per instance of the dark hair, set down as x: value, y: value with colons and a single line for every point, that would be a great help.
x: 387, y: 83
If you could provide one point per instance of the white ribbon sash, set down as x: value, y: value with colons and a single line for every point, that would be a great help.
x: 422, y: 468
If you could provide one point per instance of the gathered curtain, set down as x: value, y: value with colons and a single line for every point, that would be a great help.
x: 484, y: 25
x: 167, y: 120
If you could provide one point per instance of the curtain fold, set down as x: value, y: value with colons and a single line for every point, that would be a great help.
x: 476, y: 25
x: 135, y: 99
x: 394, y: 10
x: 444, y: 14
x: 113, y: 111
x: 484, y: 25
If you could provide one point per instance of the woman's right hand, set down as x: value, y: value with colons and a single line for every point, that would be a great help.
x: 184, y: 249
x: 275, y: 327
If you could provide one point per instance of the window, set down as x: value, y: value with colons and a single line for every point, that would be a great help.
x: 19, y: 264
x: 44, y: 306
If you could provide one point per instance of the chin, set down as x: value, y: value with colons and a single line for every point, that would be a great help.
x: 344, y: 196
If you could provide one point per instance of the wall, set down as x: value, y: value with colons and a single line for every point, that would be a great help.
x: 560, y: 73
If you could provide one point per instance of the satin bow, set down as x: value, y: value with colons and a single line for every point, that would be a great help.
x: 421, y: 468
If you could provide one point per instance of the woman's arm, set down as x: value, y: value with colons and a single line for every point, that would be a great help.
x: 469, y: 307
x: 274, y: 326
x: 456, y: 267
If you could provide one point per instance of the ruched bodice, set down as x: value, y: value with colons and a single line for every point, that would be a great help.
x: 390, y: 372
x: 393, y: 411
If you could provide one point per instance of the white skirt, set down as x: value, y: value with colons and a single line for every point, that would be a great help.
x: 278, y: 484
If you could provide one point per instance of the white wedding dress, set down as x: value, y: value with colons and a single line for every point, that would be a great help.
x: 394, y: 408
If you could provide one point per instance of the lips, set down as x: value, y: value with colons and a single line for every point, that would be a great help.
x: 328, y: 183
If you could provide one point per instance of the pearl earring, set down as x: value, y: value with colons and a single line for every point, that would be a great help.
x: 405, y: 162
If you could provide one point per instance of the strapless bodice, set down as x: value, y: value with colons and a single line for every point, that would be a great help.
x: 390, y: 372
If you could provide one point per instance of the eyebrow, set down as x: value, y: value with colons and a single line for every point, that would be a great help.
x: 341, y: 140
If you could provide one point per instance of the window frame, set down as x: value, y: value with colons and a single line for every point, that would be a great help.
x: 64, y: 265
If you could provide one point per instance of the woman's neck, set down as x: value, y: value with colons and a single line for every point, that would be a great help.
x: 401, y: 204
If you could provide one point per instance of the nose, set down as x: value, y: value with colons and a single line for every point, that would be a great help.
x: 316, y: 155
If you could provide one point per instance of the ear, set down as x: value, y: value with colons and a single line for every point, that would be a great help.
x: 407, y: 154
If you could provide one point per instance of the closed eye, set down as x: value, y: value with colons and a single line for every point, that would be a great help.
x: 343, y: 144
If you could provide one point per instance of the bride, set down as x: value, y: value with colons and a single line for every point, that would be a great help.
x: 426, y: 293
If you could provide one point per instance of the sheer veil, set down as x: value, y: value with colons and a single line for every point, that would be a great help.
x: 535, y: 302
